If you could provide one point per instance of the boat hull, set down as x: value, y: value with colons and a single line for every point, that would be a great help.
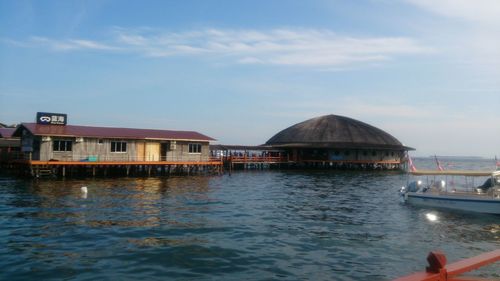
x: 479, y: 205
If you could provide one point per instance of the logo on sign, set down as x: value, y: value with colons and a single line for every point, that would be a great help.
x: 45, y: 119
x: 51, y: 118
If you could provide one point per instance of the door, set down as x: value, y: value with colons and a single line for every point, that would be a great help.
x: 140, y: 151
x: 152, y: 151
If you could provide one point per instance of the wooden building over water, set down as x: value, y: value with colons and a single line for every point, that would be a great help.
x: 56, y: 146
x: 339, y: 142
x: 329, y: 141
x: 9, y: 145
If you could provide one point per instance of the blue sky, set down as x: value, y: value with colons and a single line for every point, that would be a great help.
x: 240, y: 71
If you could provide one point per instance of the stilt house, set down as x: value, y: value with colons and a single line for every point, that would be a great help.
x: 50, y: 142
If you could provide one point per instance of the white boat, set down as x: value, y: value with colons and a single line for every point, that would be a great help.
x: 454, y: 190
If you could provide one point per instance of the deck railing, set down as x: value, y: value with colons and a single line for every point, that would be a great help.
x: 439, y: 271
x: 119, y: 158
x: 256, y: 159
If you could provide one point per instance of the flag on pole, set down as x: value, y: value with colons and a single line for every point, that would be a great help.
x: 440, y: 168
x: 410, y: 164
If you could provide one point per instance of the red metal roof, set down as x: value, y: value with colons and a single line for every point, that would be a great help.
x: 6, y: 132
x: 106, y: 132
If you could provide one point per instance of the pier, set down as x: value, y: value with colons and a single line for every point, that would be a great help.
x: 213, y: 165
x: 38, y: 169
x: 241, y: 157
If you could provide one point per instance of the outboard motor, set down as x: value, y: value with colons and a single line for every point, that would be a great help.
x: 486, y: 185
x: 414, y: 186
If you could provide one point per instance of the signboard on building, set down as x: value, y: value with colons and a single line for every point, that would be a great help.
x: 51, y: 118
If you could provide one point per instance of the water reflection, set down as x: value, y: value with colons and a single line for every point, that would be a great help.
x: 431, y: 217
x: 147, y: 202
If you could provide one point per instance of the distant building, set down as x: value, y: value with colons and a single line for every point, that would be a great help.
x: 62, y: 142
x: 9, y: 145
x: 333, y: 140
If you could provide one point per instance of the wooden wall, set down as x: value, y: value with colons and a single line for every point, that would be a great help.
x: 181, y: 151
x: 93, y: 149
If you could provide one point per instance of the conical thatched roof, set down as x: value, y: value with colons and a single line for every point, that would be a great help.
x: 334, y: 131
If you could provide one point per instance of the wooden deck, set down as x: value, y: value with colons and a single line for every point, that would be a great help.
x: 122, y: 163
x: 101, y: 166
x: 37, y: 168
x: 272, y: 159
x: 261, y: 162
x: 257, y: 159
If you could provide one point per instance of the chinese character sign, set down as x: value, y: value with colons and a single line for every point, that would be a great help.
x: 51, y: 118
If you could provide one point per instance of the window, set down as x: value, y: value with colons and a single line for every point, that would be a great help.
x: 118, y: 146
x: 62, y: 145
x: 194, y: 148
x: 100, y: 141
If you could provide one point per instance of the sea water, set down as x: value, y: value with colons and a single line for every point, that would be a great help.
x: 260, y: 225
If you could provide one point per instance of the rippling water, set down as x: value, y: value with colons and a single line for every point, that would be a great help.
x: 266, y: 225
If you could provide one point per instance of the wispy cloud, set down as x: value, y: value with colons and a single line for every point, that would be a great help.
x: 480, y: 11
x: 301, y: 47
x: 468, y: 29
x: 69, y: 44
x: 276, y: 47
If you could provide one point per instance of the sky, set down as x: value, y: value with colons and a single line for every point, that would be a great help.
x: 425, y: 71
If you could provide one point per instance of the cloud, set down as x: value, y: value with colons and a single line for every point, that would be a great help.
x: 467, y: 29
x: 275, y: 47
x: 289, y: 47
x: 480, y: 11
x: 69, y: 44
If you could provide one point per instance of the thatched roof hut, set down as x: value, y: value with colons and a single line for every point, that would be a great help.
x: 333, y: 131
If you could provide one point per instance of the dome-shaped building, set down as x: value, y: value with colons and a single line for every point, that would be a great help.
x: 337, y: 140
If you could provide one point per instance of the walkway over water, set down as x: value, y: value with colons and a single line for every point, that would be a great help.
x: 38, y: 168
x: 222, y: 157
x: 247, y: 157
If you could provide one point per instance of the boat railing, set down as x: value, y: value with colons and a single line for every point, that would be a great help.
x: 457, y: 183
x: 468, y: 191
x: 438, y: 270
